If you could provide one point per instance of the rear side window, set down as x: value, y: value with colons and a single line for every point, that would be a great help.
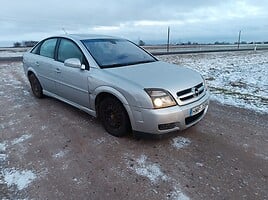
x: 36, y: 49
x: 67, y: 49
x: 47, y: 48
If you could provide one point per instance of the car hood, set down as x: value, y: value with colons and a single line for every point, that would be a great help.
x: 158, y: 75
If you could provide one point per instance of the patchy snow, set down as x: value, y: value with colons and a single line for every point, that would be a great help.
x: 60, y: 154
x: 21, y: 179
x: 234, y: 78
x: 3, y: 157
x: 13, y: 177
x: 99, y: 141
x: 199, y: 164
x: 150, y: 170
x: 10, y: 70
x: 65, y: 166
x: 176, y: 194
x: 180, y: 142
x: 21, y: 139
x: 78, y: 181
x: 9, y: 53
x: 3, y: 146
x: 262, y: 156
x: 44, y: 127
x: 143, y: 167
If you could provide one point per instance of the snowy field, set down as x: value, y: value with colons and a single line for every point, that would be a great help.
x: 12, y: 52
x: 234, y: 78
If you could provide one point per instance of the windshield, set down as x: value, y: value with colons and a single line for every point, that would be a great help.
x: 116, y: 52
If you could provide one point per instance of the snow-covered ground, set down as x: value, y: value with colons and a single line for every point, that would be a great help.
x: 234, y: 78
x: 5, y: 54
x: 12, y: 52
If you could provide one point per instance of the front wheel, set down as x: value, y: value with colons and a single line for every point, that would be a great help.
x: 36, y: 86
x: 114, y: 117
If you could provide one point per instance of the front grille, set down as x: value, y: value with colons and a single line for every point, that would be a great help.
x: 191, y: 93
x: 194, y: 118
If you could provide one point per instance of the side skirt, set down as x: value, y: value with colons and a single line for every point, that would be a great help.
x: 85, y: 109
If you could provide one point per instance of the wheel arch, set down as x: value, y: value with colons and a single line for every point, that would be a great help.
x: 31, y: 71
x: 36, y: 86
x: 105, y: 92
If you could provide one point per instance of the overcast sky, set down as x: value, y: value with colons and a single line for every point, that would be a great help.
x: 196, y: 20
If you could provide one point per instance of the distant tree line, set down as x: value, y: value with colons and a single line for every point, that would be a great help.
x: 25, y: 44
x: 219, y: 43
x: 141, y: 43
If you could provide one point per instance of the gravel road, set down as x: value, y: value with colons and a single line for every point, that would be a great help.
x: 50, y: 150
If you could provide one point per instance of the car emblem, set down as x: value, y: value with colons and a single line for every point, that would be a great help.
x: 195, y: 91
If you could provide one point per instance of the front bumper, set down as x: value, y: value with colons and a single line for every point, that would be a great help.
x: 160, y: 121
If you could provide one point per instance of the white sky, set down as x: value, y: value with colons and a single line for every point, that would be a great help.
x: 196, y: 20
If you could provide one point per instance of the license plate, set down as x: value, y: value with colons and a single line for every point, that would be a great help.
x: 198, y: 109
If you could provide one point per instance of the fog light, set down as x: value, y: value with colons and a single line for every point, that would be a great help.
x: 166, y: 126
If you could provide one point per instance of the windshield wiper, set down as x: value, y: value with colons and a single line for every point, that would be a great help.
x: 112, y: 65
x: 126, y: 64
x: 143, y: 61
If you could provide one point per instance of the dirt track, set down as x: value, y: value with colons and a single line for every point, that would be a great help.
x: 50, y: 150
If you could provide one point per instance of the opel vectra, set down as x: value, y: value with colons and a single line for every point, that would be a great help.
x: 113, y: 79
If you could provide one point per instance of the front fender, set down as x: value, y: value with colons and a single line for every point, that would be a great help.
x: 110, y: 90
x: 117, y: 94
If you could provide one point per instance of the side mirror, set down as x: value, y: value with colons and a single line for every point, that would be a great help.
x: 75, y: 63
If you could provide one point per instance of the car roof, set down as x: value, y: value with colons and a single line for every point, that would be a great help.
x: 87, y: 36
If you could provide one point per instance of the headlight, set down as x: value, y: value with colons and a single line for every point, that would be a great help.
x: 161, y: 98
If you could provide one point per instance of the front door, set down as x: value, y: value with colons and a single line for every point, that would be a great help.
x: 71, y: 83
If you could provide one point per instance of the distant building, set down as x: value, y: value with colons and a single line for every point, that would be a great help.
x: 17, y: 44
x: 29, y: 43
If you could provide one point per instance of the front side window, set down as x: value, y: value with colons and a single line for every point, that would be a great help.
x: 67, y: 49
x: 116, y: 52
x: 47, y: 48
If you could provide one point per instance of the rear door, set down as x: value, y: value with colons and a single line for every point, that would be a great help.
x: 44, y: 64
x: 71, y: 83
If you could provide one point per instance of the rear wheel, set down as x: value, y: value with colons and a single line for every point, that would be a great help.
x: 114, y: 117
x: 36, y: 86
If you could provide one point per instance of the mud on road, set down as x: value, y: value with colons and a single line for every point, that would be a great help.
x: 50, y: 150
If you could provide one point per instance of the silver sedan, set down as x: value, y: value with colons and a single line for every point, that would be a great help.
x: 117, y: 81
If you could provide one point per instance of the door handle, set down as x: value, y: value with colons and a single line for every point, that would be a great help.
x: 37, y: 64
x: 58, y: 70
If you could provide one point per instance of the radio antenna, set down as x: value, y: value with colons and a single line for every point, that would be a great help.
x: 65, y: 32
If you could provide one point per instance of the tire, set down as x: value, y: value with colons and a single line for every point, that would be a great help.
x: 114, y: 117
x: 36, y: 86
